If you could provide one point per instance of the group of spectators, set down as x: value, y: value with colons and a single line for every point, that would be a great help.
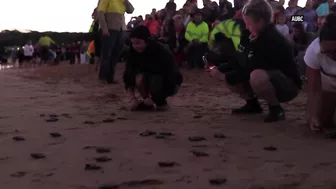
x: 48, y: 52
x: 254, y: 48
x: 191, y: 32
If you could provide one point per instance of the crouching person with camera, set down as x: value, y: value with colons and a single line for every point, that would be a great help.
x: 264, y: 66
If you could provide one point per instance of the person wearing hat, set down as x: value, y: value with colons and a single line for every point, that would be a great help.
x: 197, y: 33
x: 151, y: 69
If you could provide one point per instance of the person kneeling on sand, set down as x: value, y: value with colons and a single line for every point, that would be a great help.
x: 264, y: 66
x: 320, y: 59
x: 152, y: 70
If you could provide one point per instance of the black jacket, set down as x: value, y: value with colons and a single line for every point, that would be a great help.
x: 155, y: 60
x: 270, y: 51
x: 172, y: 39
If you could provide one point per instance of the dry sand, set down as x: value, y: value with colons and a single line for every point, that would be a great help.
x: 93, y: 116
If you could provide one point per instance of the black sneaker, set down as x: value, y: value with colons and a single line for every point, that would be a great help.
x: 251, y: 107
x: 276, y: 113
x: 162, y: 106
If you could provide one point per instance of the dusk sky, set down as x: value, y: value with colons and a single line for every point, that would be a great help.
x: 61, y: 15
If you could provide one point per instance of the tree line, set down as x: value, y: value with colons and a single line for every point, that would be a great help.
x: 16, y: 38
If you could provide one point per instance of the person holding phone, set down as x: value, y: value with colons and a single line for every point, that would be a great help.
x: 264, y: 66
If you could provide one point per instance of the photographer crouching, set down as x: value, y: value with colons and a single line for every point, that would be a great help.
x: 263, y: 67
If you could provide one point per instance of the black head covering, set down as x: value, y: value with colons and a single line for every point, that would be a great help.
x: 140, y: 32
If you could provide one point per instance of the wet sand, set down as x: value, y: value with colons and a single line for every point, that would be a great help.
x: 193, y: 143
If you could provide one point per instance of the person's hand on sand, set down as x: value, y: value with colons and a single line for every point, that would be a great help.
x: 106, y: 32
x: 134, y: 103
x: 314, y: 124
x: 215, y: 73
x: 149, y: 102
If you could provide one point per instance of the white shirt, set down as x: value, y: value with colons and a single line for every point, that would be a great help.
x: 283, y: 29
x: 28, y: 50
x: 319, y: 61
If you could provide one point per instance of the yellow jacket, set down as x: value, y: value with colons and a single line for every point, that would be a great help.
x: 230, y: 29
x: 200, y: 32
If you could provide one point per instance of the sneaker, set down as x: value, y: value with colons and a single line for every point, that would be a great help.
x: 251, y: 107
x: 276, y: 113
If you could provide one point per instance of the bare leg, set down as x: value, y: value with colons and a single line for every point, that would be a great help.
x: 262, y: 87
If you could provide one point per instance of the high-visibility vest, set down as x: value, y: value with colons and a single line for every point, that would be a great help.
x: 200, y: 32
x: 92, y: 26
x: 230, y: 28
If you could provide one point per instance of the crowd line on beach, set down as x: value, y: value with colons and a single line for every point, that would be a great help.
x: 256, y: 48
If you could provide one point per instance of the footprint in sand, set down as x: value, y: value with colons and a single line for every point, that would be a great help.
x: 270, y: 148
x: 219, y: 136
x: 101, y: 150
x: 196, y: 138
x: 51, y: 119
x: 108, y: 120
x: 18, y: 174
x: 167, y: 164
x: 134, y: 184
x: 148, y: 133
x: 55, y: 135
x: 92, y: 167
x: 19, y: 138
x: 217, y: 181
x: 38, y: 156
x: 199, y: 153
x: 89, y: 122
x: 102, y: 159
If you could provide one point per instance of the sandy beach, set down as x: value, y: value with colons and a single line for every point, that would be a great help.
x: 62, y: 129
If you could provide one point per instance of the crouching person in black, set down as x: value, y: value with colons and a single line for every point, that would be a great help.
x: 264, y: 67
x: 151, y: 70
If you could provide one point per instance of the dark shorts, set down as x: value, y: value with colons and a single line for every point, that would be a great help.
x: 284, y: 87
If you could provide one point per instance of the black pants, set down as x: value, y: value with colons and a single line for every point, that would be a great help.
x: 110, y: 51
x: 159, y: 89
x: 195, y: 53
x: 97, y: 46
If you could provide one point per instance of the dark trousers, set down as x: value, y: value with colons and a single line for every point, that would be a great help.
x: 159, y: 89
x: 111, y: 48
x: 195, y: 53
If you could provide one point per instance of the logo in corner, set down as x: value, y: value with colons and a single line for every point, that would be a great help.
x: 297, y: 18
